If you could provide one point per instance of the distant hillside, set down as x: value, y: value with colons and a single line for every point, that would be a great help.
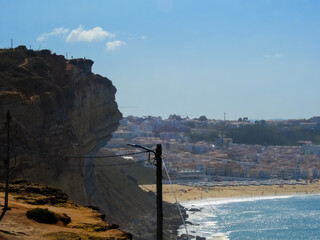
x: 272, y: 135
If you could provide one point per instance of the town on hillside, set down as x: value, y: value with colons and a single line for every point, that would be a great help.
x: 208, y: 150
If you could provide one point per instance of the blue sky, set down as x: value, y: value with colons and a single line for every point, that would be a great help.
x: 248, y: 58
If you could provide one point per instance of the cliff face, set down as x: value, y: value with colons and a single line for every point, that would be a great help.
x: 59, y: 107
x: 58, y: 103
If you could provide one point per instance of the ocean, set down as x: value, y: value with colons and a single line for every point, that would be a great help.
x: 257, y: 218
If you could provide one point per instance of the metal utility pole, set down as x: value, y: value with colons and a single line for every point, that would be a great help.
x: 6, y: 198
x: 158, y: 158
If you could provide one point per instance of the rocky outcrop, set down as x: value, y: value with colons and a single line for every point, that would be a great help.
x: 57, y: 102
x: 38, y: 214
x: 60, y: 108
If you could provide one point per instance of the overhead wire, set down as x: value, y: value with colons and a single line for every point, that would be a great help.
x: 217, y: 212
x: 83, y: 157
x: 118, y: 164
x: 176, y: 201
x: 130, y: 154
x: 108, y: 156
x: 87, y: 157
x: 78, y: 157
x: 57, y: 155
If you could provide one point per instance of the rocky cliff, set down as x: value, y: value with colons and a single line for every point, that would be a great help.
x: 60, y: 108
x: 59, y: 103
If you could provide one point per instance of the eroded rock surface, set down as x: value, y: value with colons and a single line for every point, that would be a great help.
x: 56, y: 102
x: 60, y: 108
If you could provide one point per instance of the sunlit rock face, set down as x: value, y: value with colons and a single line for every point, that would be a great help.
x: 59, y: 103
x: 58, y: 107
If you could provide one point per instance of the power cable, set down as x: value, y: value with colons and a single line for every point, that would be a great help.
x: 76, y: 167
x: 217, y: 212
x: 118, y: 164
x: 80, y: 157
x: 184, y: 223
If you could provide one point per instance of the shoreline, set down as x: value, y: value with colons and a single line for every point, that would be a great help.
x: 185, y: 193
x: 218, y: 201
x: 200, y: 213
x: 194, y: 198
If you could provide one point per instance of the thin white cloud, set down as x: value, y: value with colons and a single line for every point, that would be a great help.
x: 82, y: 35
x: 55, y: 32
x: 60, y: 30
x: 112, y: 46
x: 276, y: 55
x: 143, y: 37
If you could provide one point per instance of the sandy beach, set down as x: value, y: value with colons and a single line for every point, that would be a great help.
x: 186, y: 193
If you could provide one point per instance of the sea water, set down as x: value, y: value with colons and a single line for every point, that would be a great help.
x: 259, y: 218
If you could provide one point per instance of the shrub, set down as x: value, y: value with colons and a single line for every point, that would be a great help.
x: 45, y: 52
x: 42, y: 215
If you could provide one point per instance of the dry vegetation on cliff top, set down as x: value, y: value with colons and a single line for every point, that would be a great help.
x: 86, y: 223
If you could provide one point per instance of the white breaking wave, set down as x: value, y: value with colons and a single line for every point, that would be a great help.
x: 217, y: 201
x: 207, y: 215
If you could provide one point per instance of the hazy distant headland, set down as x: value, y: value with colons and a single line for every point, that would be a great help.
x: 242, y: 131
